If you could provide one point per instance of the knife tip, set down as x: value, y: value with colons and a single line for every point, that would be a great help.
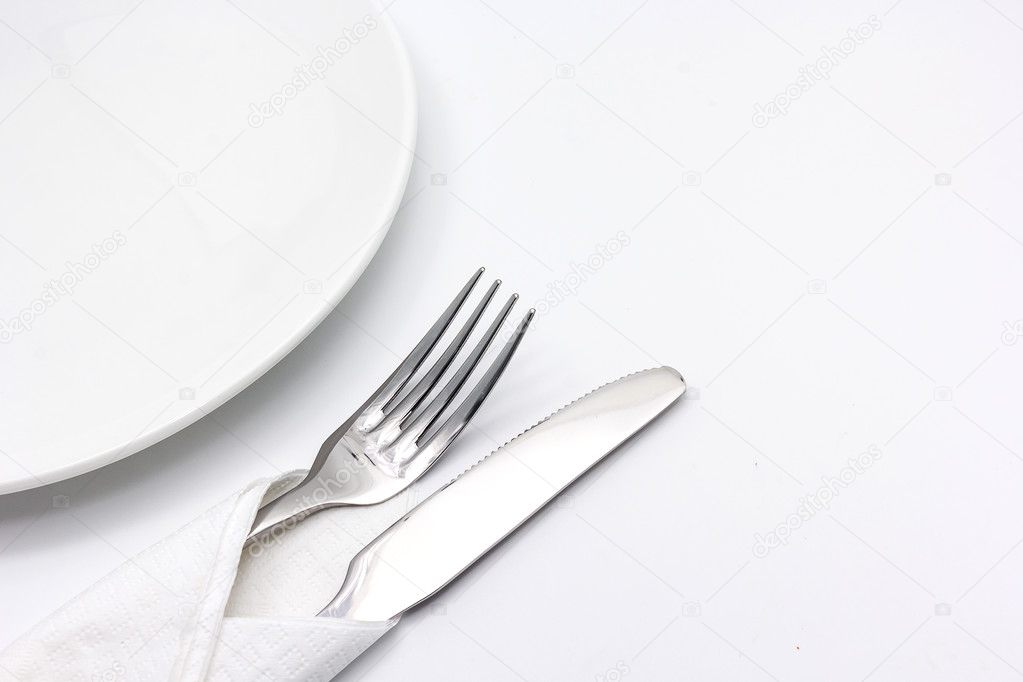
x: 675, y: 376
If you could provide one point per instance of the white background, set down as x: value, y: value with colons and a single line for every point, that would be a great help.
x: 845, y: 277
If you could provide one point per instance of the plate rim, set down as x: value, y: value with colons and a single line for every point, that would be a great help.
x: 331, y: 298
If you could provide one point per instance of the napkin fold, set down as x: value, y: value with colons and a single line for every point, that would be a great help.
x: 198, y: 605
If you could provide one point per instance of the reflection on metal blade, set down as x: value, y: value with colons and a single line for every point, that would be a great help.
x: 447, y: 532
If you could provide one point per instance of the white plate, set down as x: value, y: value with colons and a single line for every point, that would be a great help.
x: 164, y: 238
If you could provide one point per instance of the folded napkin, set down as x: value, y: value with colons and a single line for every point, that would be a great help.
x: 200, y: 606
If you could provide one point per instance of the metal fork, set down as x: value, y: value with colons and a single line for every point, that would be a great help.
x: 392, y: 440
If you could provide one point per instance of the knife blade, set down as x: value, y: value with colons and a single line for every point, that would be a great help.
x: 436, y: 541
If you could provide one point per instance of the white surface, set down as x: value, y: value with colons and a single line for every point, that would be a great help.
x: 184, y: 197
x: 648, y: 563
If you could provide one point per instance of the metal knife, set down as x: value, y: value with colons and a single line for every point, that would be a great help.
x: 450, y: 530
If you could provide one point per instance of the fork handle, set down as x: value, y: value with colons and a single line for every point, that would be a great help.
x: 312, y: 494
x: 282, y: 512
x: 323, y: 491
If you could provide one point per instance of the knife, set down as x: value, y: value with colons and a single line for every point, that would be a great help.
x: 449, y: 531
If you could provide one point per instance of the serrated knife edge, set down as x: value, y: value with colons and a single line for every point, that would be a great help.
x: 447, y: 532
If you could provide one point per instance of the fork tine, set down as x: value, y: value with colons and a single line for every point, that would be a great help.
x: 394, y: 383
x: 397, y: 413
x: 440, y: 440
x: 425, y: 417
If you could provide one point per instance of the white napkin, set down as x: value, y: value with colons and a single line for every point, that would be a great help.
x: 196, y: 607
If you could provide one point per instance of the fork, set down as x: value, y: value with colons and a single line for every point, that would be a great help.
x: 393, y: 438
